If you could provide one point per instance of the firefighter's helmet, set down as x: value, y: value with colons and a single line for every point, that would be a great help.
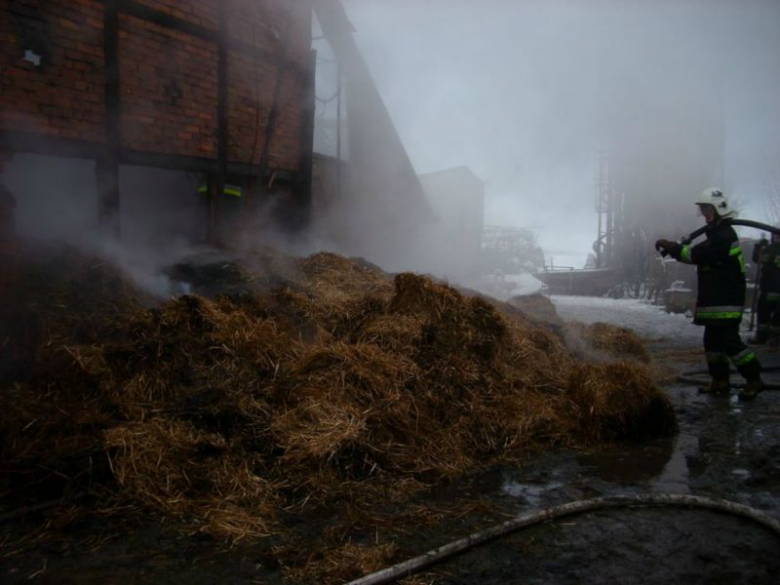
x: 717, y: 198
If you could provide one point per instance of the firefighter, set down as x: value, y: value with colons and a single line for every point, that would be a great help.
x: 767, y: 256
x: 720, y: 268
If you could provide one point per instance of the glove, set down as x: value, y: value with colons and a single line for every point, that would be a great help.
x: 664, y: 245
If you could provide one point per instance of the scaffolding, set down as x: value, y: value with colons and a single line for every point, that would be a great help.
x: 609, y: 211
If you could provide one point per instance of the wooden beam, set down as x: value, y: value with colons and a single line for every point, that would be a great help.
x: 223, y: 130
x: 303, y: 184
x: 107, y: 169
x: 45, y: 144
x: 165, y: 20
x: 48, y: 145
x: 273, y: 113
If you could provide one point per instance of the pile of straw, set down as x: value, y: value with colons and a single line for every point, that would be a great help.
x: 341, y: 386
x: 617, y: 341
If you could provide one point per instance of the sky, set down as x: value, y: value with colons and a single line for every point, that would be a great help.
x: 517, y: 91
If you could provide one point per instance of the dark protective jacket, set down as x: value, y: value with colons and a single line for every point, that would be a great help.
x: 769, y: 258
x: 720, y: 267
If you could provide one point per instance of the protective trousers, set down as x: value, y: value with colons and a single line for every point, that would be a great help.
x: 768, y: 316
x: 722, y: 345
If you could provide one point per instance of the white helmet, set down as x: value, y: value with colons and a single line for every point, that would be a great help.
x: 717, y: 198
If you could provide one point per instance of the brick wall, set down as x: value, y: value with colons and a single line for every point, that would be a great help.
x: 251, y: 96
x: 284, y: 149
x: 168, y: 78
x: 168, y: 88
x: 64, y: 95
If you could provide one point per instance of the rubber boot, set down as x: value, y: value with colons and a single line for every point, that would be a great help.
x: 716, y: 386
x: 751, y: 389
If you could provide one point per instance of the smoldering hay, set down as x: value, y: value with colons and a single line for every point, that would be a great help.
x: 303, y: 384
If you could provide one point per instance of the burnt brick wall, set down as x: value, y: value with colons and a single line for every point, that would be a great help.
x: 168, y: 77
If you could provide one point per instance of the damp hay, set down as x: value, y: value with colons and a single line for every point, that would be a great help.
x: 618, y: 401
x: 617, y: 341
x: 344, y: 563
x: 335, y: 280
x: 192, y: 475
x: 245, y: 416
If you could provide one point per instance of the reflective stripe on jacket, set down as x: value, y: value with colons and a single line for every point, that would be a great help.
x: 720, y: 267
x: 231, y: 190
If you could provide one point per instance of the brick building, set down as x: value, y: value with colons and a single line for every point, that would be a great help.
x: 220, y: 88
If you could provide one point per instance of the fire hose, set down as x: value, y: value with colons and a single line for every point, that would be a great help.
x: 690, y: 378
x: 443, y: 552
x: 738, y: 222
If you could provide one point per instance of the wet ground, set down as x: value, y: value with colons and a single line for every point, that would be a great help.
x: 725, y: 449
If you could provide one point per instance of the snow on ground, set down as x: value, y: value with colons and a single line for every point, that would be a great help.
x: 644, y: 318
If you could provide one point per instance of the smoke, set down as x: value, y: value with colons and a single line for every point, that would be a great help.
x: 526, y: 93
x: 682, y: 94
x: 159, y: 215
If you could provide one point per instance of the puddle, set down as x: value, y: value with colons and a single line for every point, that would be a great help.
x: 530, y: 492
x: 676, y: 473
x: 662, y: 463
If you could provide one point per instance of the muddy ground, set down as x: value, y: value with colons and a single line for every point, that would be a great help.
x: 725, y: 449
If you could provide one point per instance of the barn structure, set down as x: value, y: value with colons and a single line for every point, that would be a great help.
x: 220, y: 88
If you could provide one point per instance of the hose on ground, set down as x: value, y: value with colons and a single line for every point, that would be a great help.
x: 688, y: 378
x: 434, y: 556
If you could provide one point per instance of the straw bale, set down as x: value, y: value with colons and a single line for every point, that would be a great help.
x: 362, y: 372
x: 188, y: 346
x: 343, y: 400
x: 617, y: 341
x: 415, y: 294
x: 319, y: 431
x: 175, y: 468
x: 617, y: 401
x: 451, y: 324
x: 333, y: 276
x: 399, y: 334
